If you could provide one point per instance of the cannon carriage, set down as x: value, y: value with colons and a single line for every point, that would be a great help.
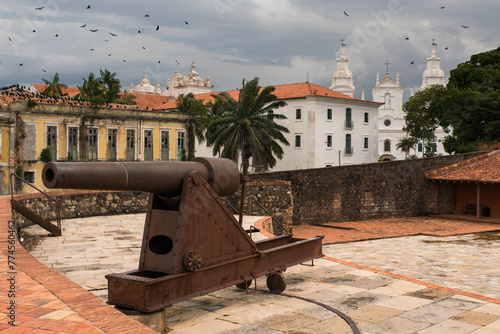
x: 192, y: 244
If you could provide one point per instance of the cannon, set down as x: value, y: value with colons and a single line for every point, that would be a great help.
x: 192, y: 244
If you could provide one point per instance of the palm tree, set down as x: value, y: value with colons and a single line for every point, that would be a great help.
x: 111, y: 86
x: 249, y: 128
x: 53, y: 86
x: 406, y: 144
x: 91, y: 90
x: 196, y: 125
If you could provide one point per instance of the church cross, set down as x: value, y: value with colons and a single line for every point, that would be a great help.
x: 387, y: 65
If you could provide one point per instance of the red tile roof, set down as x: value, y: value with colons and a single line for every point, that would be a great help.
x: 70, y: 91
x: 482, y: 169
x: 290, y: 91
x: 150, y: 101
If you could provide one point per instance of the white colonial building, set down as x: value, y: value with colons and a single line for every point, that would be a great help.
x: 326, y: 128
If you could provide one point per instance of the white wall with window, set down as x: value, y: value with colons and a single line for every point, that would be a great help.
x: 325, y: 123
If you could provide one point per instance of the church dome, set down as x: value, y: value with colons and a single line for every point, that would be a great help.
x: 145, y: 86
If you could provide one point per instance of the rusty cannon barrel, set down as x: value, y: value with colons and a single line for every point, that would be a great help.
x: 162, y: 177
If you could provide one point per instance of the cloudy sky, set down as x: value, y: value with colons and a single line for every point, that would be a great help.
x: 280, y: 41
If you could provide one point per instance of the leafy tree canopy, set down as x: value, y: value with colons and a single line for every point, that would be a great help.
x: 470, y: 105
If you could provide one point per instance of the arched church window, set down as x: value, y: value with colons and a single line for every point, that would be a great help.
x: 387, y: 145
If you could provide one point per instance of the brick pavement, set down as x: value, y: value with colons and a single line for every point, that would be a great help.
x: 393, y: 227
x: 46, y: 301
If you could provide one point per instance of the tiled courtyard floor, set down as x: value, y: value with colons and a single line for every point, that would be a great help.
x: 374, y: 288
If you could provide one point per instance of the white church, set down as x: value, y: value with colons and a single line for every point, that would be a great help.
x: 328, y: 126
x: 391, y: 115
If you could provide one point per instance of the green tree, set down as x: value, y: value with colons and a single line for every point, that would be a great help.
x: 127, y: 99
x: 110, y: 86
x: 423, y: 112
x: 406, y: 144
x: 53, y: 88
x: 91, y: 91
x: 472, y: 103
x: 248, y: 128
x: 195, y: 126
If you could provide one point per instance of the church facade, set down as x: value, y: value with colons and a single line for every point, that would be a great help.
x: 391, y: 114
x: 178, y: 85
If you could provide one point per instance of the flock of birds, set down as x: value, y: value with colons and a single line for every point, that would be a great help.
x: 408, y: 38
x: 114, y: 35
x: 96, y: 30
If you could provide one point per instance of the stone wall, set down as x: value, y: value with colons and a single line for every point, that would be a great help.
x: 77, y: 204
x: 275, y: 199
x: 367, y: 191
x: 301, y: 197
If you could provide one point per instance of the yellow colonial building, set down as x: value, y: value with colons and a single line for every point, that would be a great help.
x: 68, y: 130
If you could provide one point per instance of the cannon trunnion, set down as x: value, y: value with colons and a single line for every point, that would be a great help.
x: 192, y: 244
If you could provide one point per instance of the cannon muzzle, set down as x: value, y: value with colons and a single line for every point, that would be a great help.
x: 162, y: 177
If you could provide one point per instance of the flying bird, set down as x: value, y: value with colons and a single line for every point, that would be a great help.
x: 157, y: 28
x: 446, y: 48
x: 109, y: 55
x: 442, y: 7
x: 138, y: 31
x: 159, y: 61
x: 94, y: 30
x: 186, y: 22
x: 83, y: 25
x: 346, y: 14
x: 464, y: 26
x: 10, y: 39
x: 20, y: 64
x: 407, y: 38
x: 124, y: 61
x: 39, y: 8
x: 411, y: 62
x: 57, y: 35
x: 113, y: 34
x: 147, y: 15
x: 143, y: 48
x: 106, y: 40
x: 88, y: 7
x: 34, y: 30
x: 91, y: 49
x: 44, y: 70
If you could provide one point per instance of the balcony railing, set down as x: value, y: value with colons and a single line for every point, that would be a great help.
x: 348, y: 150
x: 349, y: 124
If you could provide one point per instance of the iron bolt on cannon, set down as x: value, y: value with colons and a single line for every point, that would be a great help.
x: 192, y: 244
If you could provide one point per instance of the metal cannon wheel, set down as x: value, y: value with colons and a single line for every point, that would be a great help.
x: 276, y: 283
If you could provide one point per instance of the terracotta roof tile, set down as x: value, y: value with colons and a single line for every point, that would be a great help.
x: 482, y: 169
x: 70, y: 91
x: 150, y: 101
x: 290, y: 91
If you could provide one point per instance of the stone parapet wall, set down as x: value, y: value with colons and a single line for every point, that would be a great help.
x: 274, y: 196
x: 82, y: 203
x: 366, y: 191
